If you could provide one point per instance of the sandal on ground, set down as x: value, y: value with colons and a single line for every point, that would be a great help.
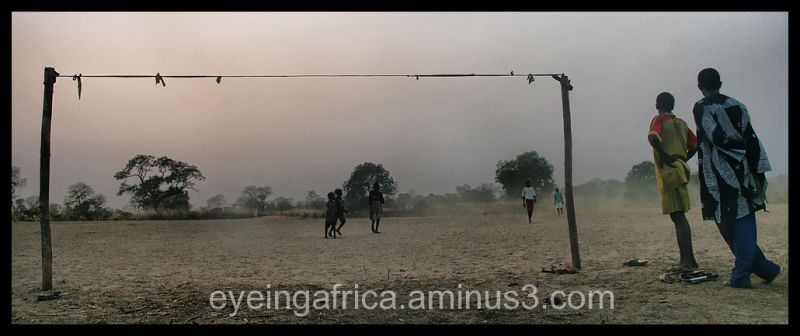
x: 668, y: 278
x: 634, y: 262
x: 696, y: 277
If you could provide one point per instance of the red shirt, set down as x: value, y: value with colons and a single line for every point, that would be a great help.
x: 656, y: 127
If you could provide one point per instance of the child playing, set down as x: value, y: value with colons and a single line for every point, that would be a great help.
x: 340, y: 210
x: 330, y: 217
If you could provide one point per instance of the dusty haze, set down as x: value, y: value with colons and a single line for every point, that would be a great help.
x: 431, y: 134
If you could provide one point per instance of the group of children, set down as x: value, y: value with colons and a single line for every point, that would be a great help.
x: 336, y: 212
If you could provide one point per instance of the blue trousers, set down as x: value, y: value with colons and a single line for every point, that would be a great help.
x: 741, y: 238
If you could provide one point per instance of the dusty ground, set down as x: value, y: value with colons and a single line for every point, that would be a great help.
x: 164, y: 271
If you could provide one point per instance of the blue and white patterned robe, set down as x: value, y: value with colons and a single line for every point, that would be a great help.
x: 729, y: 157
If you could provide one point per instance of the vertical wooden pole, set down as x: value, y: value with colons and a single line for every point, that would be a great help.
x: 50, y: 75
x: 573, y: 229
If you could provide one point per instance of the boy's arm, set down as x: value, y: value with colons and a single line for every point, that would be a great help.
x: 654, y: 138
x: 656, y: 144
x: 691, y: 143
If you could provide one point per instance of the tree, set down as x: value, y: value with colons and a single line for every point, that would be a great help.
x: 512, y: 174
x: 283, y: 204
x: 315, y: 201
x: 81, y: 203
x: 163, y: 183
x: 359, y: 184
x: 28, y: 209
x: 17, y: 182
x: 57, y: 212
x: 77, y: 194
x: 641, y: 181
x: 643, y: 172
x: 255, y: 198
x: 217, y: 201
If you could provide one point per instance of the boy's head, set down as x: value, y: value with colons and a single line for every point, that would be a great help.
x: 338, y: 192
x: 331, y: 195
x: 665, y: 102
x: 527, y: 183
x: 556, y: 189
x: 708, y: 80
x: 376, y: 186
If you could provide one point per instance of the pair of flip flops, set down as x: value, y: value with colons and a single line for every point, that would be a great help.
x: 634, y: 262
x: 690, y: 277
x: 698, y: 277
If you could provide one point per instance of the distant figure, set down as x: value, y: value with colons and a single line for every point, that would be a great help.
x: 330, y: 216
x: 559, y: 201
x: 732, y: 163
x: 528, y: 199
x: 340, y: 210
x: 375, y: 206
x: 672, y: 140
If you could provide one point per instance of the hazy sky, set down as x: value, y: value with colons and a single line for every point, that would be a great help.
x: 431, y: 134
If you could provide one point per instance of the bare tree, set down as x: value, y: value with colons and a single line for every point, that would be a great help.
x: 255, y: 198
x: 216, y: 202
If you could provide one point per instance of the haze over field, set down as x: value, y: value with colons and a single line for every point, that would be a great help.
x: 432, y: 134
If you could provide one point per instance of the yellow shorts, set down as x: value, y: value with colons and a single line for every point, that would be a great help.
x: 675, y: 200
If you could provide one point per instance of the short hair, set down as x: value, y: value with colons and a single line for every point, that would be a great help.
x: 338, y: 191
x: 708, y: 79
x: 665, y: 101
x: 331, y: 195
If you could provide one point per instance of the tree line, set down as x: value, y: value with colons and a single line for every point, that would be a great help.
x: 162, y: 184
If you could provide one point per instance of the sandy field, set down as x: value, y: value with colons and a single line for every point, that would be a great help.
x: 164, y: 272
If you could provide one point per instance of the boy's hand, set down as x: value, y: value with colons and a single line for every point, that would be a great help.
x: 760, y: 191
x: 668, y: 159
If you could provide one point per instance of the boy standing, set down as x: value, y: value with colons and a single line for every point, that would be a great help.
x: 340, y: 210
x: 330, y: 217
x: 528, y: 199
x: 559, y: 199
x: 673, y: 141
x: 375, y: 206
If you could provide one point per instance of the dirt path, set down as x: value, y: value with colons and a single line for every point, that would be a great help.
x: 165, y: 272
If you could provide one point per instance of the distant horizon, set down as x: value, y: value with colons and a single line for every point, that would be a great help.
x: 197, y: 203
